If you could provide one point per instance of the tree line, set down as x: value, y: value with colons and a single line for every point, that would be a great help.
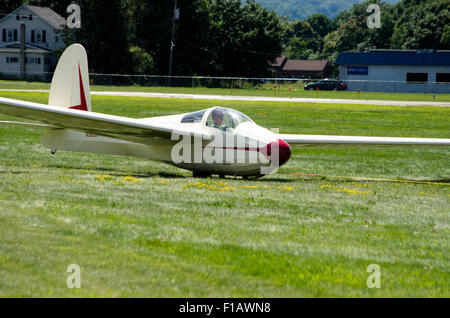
x: 302, y: 9
x: 238, y: 38
x: 409, y: 24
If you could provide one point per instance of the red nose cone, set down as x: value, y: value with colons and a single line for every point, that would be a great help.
x: 284, y: 152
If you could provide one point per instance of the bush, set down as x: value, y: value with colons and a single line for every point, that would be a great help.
x: 142, y: 61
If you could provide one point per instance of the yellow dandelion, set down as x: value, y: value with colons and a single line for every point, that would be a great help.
x: 130, y: 179
x: 250, y: 187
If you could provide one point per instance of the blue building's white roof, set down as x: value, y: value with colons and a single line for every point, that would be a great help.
x: 386, y: 57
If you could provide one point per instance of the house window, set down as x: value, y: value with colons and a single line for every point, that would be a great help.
x: 12, y: 60
x: 9, y: 35
x: 30, y: 17
x: 33, y: 60
x: 443, y: 77
x: 417, y: 77
x: 38, y: 36
x: 17, y: 17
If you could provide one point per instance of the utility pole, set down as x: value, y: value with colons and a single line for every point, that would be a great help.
x: 176, y: 16
x: 22, y: 50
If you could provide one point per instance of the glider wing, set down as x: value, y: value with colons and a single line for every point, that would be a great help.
x: 323, y: 139
x: 118, y: 127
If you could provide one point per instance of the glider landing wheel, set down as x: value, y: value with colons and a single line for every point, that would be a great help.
x: 200, y: 175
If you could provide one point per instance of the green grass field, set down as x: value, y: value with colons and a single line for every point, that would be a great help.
x: 285, y: 90
x: 143, y: 229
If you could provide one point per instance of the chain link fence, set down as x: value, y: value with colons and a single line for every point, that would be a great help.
x: 293, y: 84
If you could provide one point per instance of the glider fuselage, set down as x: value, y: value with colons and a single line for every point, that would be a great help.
x: 240, y: 152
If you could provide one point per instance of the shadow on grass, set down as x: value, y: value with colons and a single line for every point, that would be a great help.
x: 111, y: 171
x: 167, y: 175
x: 162, y: 174
x: 268, y: 178
x: 312, y: 177
x: 274, y: 178
x: 446, y: 181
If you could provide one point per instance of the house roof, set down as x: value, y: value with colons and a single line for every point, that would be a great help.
x: 14, y: 46
x: 53, y: 18
x: 305, y: 65
x: 47, y: 14
x: 279, y: 62
x: 394, y: 57
x: 28, y: 50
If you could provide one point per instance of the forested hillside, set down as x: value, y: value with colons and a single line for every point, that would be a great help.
x: 301, y: 9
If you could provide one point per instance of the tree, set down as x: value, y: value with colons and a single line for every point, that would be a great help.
x: 321, y: 24
x: 421, y: 24
x: 353, y: 32
x: 104, y: 35
x: 104, y: 32
x: 409, y: 24
x: 8, y: 6
x: 213, y: 37
x: 153, y: 21
x: 445, y: 38
x: 142, y: 62
x: 246, y: 37
x: 303, y: 42
x: 193, y: 41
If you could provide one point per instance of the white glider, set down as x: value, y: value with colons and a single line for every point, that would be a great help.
x: 216, y: 140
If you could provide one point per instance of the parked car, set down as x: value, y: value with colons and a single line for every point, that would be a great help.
x: 327, y: 85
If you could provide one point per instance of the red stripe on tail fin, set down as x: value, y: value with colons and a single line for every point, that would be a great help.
x: 83, y: 105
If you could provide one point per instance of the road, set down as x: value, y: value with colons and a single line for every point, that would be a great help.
x: 259, y: 98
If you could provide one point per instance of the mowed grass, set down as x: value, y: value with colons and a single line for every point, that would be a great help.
x: 283, y: 90
x: 143, y: 229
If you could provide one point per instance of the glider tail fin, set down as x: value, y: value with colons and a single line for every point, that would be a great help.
x: 70, y: 83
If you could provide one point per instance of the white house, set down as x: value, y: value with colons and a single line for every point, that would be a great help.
x: 43, y: 35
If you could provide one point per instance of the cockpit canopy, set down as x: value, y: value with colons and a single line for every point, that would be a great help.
x: 228, y: 117
x: 195, y: 117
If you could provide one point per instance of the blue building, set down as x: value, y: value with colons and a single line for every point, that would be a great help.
x: 396, y: 71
